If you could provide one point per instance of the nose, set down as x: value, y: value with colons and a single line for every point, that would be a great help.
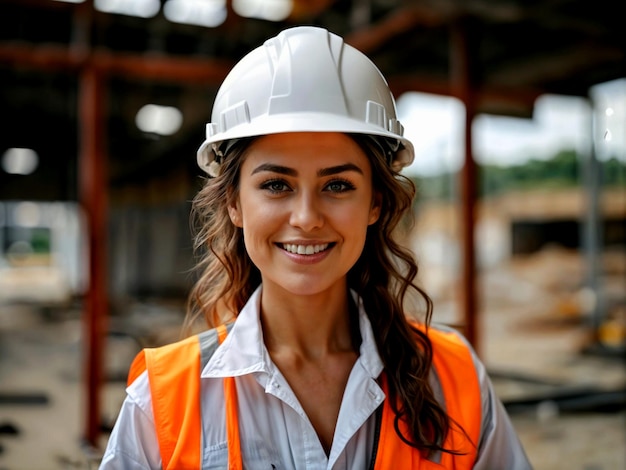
x: 306, y: 213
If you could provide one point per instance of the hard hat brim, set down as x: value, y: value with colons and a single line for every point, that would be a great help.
x: 305, y: 122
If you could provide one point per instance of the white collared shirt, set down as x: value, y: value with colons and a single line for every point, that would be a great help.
x: 275, y: 431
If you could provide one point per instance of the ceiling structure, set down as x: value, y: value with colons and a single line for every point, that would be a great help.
x: 510, y: 51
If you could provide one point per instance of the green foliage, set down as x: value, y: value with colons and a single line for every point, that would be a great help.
x: 565, y: 169
x: 439, y: 187
x: 562, y: 170
x: 40, y: 240
x: 614, y: 173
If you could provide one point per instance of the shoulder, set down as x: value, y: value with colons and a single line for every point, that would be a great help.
x: 178, y: 358
x: 455, y: 362
x: 454, y: 356
x: 149, y: 359
x: 448, y: 342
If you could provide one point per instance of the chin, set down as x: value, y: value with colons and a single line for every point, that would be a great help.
x: 307, y: 287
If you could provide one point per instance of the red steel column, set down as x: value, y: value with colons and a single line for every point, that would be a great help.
x: 462, y: 75
x: 93, y: 192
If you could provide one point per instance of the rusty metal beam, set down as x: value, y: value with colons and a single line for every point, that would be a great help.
x: 153, y: 67
x: 463, y: 81
x: 518, y: 102
x: 401, y: 20
x: 94, y: 199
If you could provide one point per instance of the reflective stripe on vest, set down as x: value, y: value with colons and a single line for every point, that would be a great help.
x: 174, y: 375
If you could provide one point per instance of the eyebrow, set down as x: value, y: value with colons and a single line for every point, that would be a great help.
x: 284, y: 170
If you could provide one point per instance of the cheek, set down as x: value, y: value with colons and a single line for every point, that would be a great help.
x: 248, y: 206
x: 257, y: 216
x: 259, y: 223
x: 354, y: 219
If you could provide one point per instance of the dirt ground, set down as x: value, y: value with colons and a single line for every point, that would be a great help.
x: 533, y: 346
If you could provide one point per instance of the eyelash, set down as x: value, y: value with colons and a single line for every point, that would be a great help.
x: 270, y: 185
x: 347, y: 185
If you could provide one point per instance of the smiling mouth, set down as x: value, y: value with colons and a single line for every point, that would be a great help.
x: 304, y: 249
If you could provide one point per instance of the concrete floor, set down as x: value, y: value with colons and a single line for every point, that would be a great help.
x: 41, y: 358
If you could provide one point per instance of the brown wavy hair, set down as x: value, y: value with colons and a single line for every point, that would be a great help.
x: 383, y: 276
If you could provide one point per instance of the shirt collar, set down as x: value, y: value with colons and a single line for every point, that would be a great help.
x: 243, y: 351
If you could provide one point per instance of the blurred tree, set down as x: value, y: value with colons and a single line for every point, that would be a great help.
x: 560, y: 171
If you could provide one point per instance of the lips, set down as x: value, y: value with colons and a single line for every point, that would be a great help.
x: 298, y: 249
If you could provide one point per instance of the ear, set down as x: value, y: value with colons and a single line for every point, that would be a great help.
x: 234, y: 212
x: 375, y: 209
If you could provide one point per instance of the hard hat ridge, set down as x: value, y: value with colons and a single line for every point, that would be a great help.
x: 305, y: 79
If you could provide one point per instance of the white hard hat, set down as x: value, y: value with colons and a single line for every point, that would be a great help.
x: 306, y: 79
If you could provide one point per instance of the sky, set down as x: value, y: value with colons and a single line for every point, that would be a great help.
x: 435, y: 126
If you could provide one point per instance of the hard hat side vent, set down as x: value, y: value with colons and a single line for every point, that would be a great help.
x: 375, y: 114
x: 211, y: 129
x: 234, y: 115
x: 396, y: 127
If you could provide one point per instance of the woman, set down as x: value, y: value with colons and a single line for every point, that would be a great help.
x: 309, y: 360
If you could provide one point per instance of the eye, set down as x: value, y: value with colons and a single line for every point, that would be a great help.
x: 275, y: 186
x: 339, y: 186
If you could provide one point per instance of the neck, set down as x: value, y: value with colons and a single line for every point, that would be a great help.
x: 311, y: 326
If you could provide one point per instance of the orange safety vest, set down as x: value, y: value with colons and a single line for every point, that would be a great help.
x: 174, y: 377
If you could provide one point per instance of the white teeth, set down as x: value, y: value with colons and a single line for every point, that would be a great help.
x: 304, y: 249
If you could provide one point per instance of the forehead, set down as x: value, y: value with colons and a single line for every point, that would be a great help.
x: 306, y: 149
